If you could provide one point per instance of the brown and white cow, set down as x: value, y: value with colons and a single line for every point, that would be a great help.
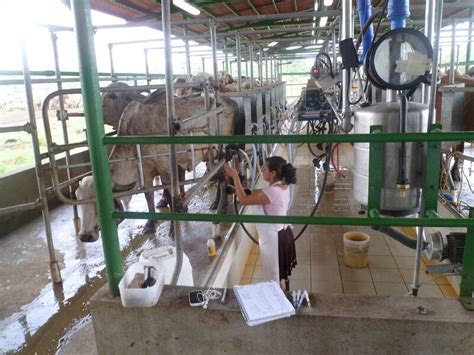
x: 144, y: 119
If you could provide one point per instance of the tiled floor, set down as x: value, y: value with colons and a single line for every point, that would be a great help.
x: 320, y: 249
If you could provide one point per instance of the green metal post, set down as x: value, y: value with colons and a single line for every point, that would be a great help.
x: 432, y: 172
x: 98, y: 151
x: 466, y: 293
x: 376, y: 162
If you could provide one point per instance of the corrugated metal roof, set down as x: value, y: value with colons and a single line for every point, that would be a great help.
x: 149, y: 10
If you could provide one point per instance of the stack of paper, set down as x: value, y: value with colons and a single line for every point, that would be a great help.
x: 263, y: 302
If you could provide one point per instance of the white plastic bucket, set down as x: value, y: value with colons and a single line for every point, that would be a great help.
x: 356, y: 249
x: 141, y: 297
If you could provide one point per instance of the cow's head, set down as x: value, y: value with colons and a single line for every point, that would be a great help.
x: 113, y: 103
x: 89, y: 231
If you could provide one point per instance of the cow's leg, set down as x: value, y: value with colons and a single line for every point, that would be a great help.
x: 150, y: 224
x: 166, y: 199
x: 166, y: 195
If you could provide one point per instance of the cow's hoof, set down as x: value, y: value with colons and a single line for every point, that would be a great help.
x: 149, y: 227
x: 163, y: 203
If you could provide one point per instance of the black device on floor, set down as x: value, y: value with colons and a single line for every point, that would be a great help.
x: 196, y: 298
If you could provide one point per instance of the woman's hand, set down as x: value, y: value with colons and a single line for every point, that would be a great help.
x: 232, y: 172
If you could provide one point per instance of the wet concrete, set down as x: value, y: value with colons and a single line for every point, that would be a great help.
x: 37, y: 316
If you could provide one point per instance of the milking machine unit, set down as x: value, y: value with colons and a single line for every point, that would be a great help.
x: 395, y: 66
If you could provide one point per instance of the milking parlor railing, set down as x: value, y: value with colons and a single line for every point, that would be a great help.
x: 102, y: 178
x: 377, y: 139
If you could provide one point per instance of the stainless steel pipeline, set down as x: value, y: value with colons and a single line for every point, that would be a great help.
x: 429, y: 33
x: 212, y: 29
x: 186, y: 46
x: 140, y: 165
x: 416, y: 270
x: 469, y: 43
x: 20, y: 208
x: 228, y: 19
x: 166, y: 16
x: 25, y: 128
x: 266, y: 69
x: 53, y: 262
x: 226, y: 68
x: 251, y: 64
x: 434, y: 75
x: 69, y: 80
x: 334, y: 51
x: 63, y: 117
x: 346, y: 32
x: 239, y: 64
x: 111, y: 61
x: 147, y: 66
x: 453, y: 52
x: 204, y: 180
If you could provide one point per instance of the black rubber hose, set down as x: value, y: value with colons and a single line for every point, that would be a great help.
x: 397, y: 235
x: 369, y: 22
x: 241, y: 224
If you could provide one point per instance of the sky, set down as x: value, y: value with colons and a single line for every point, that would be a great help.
x: 127, y: 58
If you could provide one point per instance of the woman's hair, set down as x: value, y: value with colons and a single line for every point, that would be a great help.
x: 285, y: 171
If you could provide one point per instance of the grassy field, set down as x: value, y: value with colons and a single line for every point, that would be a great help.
x: 16, y: 150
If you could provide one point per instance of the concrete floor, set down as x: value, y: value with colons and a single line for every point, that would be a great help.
x: 320, y: 248
x: 37, y: 316
x: 40, y: 317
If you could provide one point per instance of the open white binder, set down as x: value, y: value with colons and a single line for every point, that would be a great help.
x: 263, y: 302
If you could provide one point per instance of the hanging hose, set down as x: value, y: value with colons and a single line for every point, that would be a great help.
x: 241, y: 224
x: 397, y: 235
x: 336, y: 165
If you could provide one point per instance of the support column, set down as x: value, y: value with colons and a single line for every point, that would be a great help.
x: 429, y: 33
x: 470, y: 39
x: 346, y: 32
x: 186, y: 44
x: 239, y: 63
x: 453, y: 52
x: 113, y: 77
x: 53, y: 262
x: 251, y: 64
x: 170, y: 112
x: 97, y: 150
x: 434, y: 76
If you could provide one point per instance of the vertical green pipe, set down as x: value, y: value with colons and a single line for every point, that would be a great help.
x: 466, y: 292
x: 98, y: 151
x: 431, y: 188
x: 376, y: 160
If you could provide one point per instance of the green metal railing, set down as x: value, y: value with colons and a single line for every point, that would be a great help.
x: 102, y: 179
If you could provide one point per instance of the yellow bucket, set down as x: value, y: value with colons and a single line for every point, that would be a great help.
x: 356, y: 249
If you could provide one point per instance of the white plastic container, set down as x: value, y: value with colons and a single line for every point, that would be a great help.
x: 356, y: 249
x: 165, y: 256
x: 141, y: 297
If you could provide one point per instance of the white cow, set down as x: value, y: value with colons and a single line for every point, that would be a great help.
x: 89, y: 231
x: 145, y: 119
